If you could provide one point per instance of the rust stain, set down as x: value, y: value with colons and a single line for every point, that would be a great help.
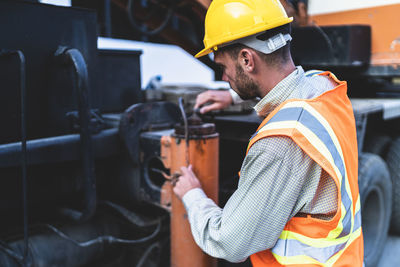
x: 204, y: 159
x: 166, y: 151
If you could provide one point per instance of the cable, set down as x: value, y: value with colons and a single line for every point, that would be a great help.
x: 131, y: 216
x: 185, y: 121
x: 147, y: 253
x: 9, y: 252
x: 139, y: 28
x: 326, y: 37
x: 105, y: 239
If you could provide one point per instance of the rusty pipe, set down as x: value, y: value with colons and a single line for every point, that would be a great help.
x: 203, y: 150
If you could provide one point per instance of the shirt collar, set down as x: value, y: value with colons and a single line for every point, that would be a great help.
x: 280, y: 93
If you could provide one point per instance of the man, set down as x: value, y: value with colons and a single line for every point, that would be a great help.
x: 297, y: 202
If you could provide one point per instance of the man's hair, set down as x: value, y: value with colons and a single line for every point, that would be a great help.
x: 276, y: 58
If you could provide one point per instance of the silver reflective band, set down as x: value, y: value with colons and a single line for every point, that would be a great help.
x: 267, y: 47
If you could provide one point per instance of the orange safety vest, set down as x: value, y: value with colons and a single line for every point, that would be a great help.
x: 324, y: 128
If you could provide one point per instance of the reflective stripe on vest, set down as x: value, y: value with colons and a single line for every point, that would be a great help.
x: 315, y: 128
x: 295, y: 248
x: 313, y: 72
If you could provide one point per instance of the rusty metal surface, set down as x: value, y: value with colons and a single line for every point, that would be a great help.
x: 193, y: 143
x: 204, y: 159
x: 197, y: 129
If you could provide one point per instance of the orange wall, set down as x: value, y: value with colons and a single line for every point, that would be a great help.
x: 385, y: 29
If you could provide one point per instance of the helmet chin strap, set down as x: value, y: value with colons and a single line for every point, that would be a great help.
x: 264, y: 46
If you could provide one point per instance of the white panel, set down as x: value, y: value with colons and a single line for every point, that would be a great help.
x: 316, y: 7
x: 174, y: 64
x: 57, y: 2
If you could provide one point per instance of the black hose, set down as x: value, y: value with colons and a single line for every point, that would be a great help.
x: 147, y: 253
x: 9, y: 252
x: 138, y: 28
x: 106, y: 239
x: 131, y: 216
x: 326, y: 37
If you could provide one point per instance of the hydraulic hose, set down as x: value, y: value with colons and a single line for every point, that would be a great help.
x: 74, y: 57
x: 138, y: 27
x: 81, y: 243
x: 106, y: 239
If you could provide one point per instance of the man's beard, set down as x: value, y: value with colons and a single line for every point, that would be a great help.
x: 246, y: 88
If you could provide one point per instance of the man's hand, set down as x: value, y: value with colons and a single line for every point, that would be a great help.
x: 186, y: 182
x: 219, y: 100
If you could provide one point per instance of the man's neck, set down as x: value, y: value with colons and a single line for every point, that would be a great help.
x: 269, y: 77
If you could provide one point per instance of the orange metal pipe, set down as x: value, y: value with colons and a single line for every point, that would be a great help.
x: 203, y: 156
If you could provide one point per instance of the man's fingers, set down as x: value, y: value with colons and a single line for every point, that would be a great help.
x: 217, y: 99
x: 186, y: 182
x: 208, y: 96
x: 202, y: 98
x: 208, y: 108
x: 185, y: 171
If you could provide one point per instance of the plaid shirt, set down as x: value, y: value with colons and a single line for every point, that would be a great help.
x: 278, y: 181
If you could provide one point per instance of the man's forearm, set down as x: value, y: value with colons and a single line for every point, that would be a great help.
x: 205, y: 219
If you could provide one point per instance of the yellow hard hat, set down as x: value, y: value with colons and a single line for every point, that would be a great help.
x: 229, y: 20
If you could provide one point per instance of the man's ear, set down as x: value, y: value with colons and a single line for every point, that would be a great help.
x: 246, y: 60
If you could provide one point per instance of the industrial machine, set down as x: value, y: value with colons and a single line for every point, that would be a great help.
x: 87, y: 161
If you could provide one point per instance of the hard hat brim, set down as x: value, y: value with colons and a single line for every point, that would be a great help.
x: 207, y: 50
x: 203, y: 52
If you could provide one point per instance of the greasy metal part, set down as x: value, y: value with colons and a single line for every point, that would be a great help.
x: 145, y: 116
x: 141, y: 127
x: 59, y: 149
x: 24, y: 154
x: 96, y: 122
x: 171, y: 178
x: 195, y: 128
x: 74, y: 57
x: 23, y: 162
x: 196, y: 131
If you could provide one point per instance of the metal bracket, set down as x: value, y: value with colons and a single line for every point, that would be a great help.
x: 96, y: 122
x: 145, y: 116
x: 361, y: 125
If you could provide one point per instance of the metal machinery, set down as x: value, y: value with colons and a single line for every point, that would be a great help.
x: 86, y: 163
